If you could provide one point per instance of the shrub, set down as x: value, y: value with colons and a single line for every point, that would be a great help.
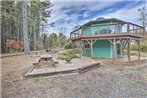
x: 133, y: 54
x: 69, y: 51
x: 68, y: 45
x: 65, y: 52
x: 143, y: 47
x: 61, y: 57
x: 73, y: 56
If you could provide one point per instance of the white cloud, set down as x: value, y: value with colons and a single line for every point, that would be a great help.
x: 59, y: 14
x: 130, y: 15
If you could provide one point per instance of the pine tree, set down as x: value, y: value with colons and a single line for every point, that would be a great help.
x: 25, y: 29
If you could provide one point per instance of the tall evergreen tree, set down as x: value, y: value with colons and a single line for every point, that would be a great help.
x: 25, y: 29
x: 12, y: 21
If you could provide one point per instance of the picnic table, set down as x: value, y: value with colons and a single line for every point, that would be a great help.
x: 46, y: 57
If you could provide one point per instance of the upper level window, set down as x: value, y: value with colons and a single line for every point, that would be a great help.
x: 103, y: 30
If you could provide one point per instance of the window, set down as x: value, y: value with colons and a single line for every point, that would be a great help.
x: 87, y: 45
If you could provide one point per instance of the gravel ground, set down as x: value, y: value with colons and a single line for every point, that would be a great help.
x: 108, y: 81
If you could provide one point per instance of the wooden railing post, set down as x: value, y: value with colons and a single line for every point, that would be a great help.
x: 70, y: 35
x: 116, y: 28
x: 133, y: 28
x: 137, y: 29
x: 128, y: 28
x: 128, y: 51
x: 143, y: 30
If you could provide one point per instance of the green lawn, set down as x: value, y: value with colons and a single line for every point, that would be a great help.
x: 135, y: 53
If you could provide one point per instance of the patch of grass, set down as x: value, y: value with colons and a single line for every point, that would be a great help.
x: 72, y: 56
x: 133, y: 54
x: 69, y: 51
x: 61, y: 57
x: 68, y: 45
x: 143, y: 47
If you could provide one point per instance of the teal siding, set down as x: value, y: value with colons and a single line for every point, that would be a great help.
x: 86, y: 51
x: 86, y: 31
x: 102, y: 49
x: 98, y: 28
x: 92, y: 30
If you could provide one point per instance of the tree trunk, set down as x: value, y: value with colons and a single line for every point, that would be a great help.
x: 34, y: 40
x: 0, y: 29
x: 37, y: 15
x: 25, y: 29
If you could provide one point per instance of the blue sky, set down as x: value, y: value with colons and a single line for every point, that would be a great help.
x: 69, y: 13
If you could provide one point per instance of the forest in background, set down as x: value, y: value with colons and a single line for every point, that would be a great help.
x: 37, y: 13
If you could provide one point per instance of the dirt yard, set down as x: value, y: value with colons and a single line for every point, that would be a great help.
x: 108, y: 81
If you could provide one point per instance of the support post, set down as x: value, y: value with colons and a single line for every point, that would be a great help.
x: 114, y: 46
x: 81, y: 45
x: 128, y: 52
x: 121, y: 48
x: 91, y: 45
x: 113, y: 42
x: 138, y: 50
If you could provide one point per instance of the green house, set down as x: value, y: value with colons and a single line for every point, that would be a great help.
x: 105, y: 38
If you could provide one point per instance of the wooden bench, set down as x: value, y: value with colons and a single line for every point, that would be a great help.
x: 55, y: 60
x: 36, y: 61
x: 46, y: 57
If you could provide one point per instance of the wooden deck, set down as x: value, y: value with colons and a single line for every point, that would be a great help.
x: 130, y: 30
x: 109, y: 36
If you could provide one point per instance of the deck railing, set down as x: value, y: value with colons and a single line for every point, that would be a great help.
x: 109, y: 29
